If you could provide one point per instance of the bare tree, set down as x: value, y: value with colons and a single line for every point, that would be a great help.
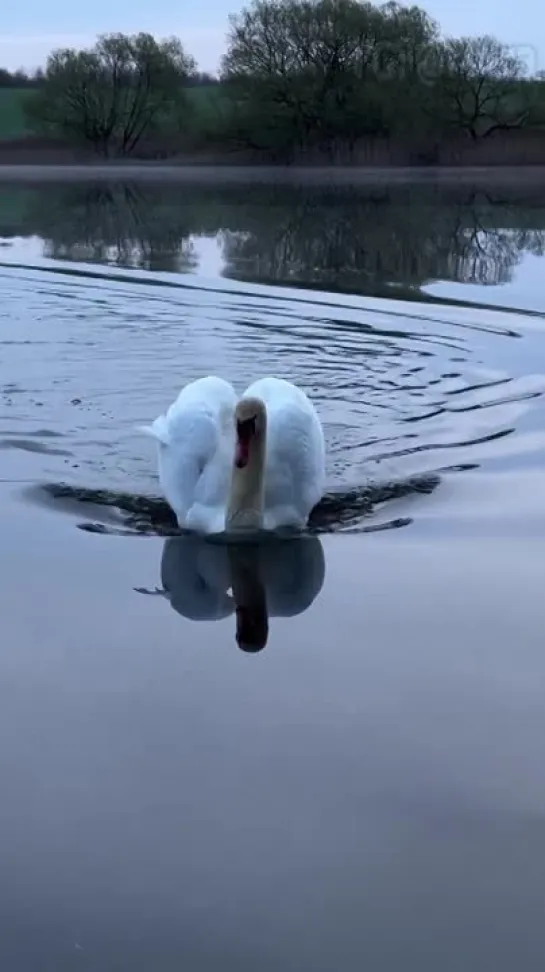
x: 480, y: 86
x: 113, y: 94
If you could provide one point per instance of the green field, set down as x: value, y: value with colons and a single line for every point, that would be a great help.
x: 12, y: 119
x: 206, y: 101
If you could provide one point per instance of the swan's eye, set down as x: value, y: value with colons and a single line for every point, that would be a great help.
x: 246, y: 429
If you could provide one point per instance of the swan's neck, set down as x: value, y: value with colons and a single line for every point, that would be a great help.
x: 245, y: 505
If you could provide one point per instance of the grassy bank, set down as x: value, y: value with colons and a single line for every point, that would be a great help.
x: 12, y: 118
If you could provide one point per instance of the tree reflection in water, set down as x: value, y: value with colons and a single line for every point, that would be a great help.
x: 407, y: 236
x: 352, y: 239
x: 118, y: 225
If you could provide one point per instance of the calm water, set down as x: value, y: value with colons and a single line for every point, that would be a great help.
x: 368, y: 789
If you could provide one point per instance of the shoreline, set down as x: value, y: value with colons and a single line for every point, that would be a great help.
x: 209, y: 174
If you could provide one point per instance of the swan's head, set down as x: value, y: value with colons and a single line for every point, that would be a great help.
x: 250, y: 425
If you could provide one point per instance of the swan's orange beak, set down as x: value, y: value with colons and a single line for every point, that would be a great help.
x: 245, y: 434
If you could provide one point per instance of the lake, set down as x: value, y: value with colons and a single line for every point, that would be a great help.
x: 367, y: 788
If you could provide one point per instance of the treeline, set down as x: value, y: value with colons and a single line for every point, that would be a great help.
x: 21, y: 79
x: 298, y: 77
x: 35, y: 79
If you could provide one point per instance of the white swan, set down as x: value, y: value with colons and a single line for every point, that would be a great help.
x: 224, y: 465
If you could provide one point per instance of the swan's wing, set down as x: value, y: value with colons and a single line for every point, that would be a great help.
x: 295, y: 459
x: 272, y: 389
x: 295, y: 474
x: 194, y: 465
x: 213, y: 393
x: 193, y: 441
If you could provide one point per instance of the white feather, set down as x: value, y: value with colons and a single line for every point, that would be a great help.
x: 295, y: 453
x: 195, y: 448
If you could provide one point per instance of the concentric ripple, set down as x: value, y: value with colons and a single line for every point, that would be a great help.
x: 403, y: 389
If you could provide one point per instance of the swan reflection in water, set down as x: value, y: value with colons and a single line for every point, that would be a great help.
x: 207, y: 581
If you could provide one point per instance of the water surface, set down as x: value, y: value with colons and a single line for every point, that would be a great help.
x: 361, y: 784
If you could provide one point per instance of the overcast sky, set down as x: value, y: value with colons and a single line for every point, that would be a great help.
x: 36, y: 27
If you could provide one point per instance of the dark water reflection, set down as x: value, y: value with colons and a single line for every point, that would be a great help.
x: 112, y: 511
x: 204, y: 581
x: 339, y: 239
x: 367, y: 790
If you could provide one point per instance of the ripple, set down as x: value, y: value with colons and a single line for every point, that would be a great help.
x: 402, y: 390
x: 27, y: 445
